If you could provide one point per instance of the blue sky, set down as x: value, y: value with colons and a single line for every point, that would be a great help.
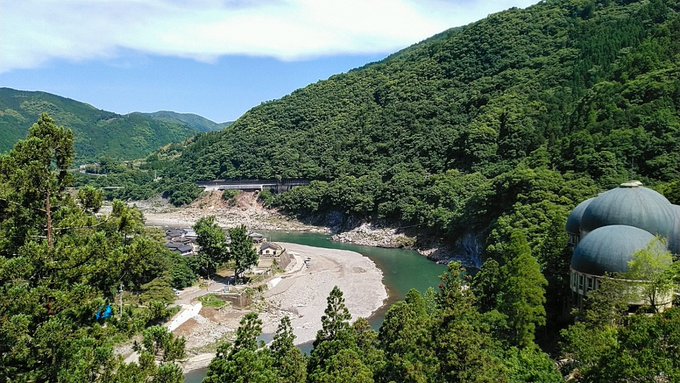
x: 216, y: 58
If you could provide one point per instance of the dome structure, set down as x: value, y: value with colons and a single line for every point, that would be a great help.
x: 574, y: 221
x: 674, y: 237
x: 630, y: 204
x: 608, y: 249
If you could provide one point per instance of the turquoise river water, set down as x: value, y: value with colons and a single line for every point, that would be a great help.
x: 403, y: 270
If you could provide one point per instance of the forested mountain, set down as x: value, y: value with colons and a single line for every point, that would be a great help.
x: 99, y: 134
x: 194, y: 121
x: 542, y: 105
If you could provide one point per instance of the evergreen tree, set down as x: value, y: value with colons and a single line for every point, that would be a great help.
x: 464, y: 348
x: 405, y: 338
x: 486, y: 285
x: 90, y: 198
x: 289, y: 362
x: 213, y: 246
x: 345, y: 366
x: 241, y: 250
x: 523, y: 292
x: 335, y: 335
x: 368, y: 346
x: 335, y: 321
x: 244, y: 361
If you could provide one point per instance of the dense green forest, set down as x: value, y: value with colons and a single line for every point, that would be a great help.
x: 570, y: 96
x: 62, y: 266
x: 98, y: 133
x: 194, y: 121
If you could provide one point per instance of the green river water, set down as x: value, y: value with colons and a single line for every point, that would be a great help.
x: 402, y: 270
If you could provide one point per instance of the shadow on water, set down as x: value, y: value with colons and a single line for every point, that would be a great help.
x: 402, y: 270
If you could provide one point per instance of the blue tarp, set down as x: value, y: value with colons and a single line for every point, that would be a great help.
x: 105, y: 313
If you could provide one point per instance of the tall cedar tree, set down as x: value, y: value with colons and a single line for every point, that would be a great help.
x: 289, y: 362
x: 522, y: 297
x: 244, y: 361
x: 405, y: 338
x: 241, y: 250
x: 463, y: 346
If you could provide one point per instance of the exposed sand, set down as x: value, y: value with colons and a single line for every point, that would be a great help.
x: 302, y: 293
x: 299, y: 293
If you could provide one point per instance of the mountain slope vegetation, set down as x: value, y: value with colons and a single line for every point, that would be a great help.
x: 580, y: 91
x: 194, y: 121
x: 98, y: 133
x: 483, y: 131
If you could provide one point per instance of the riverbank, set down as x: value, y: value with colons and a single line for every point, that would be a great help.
x: 300, y: 293
x: 244, y: 209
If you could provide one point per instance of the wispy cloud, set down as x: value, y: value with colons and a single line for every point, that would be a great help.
x: 34, y: 32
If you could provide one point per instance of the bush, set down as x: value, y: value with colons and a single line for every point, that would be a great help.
x: 182, y: 193
x: 229, y: 195
x: 181, y: 274
x: 266, y: 197
x: 212, y: 301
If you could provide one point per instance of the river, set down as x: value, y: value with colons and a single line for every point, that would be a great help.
x: 403, y: 270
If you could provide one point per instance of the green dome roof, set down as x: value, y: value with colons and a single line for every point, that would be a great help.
x: 609, y: 249
x: 574, y: 220
x: 633, y: 205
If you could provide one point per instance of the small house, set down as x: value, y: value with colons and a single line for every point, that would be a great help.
x: 270, y: 249
x: 181, y: 248
x: 257, y: 238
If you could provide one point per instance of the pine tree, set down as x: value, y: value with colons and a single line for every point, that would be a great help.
x: 523, y: 292
x: 335, y: 321
x: 405, y: 338
x: 244, y: 361
x: 335, y: 335
x: 289, y: 362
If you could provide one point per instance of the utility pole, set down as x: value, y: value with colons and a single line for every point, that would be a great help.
x: 120, y: 292
x: 48, y: 210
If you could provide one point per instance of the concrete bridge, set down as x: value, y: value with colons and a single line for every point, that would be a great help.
x: 252, y: 185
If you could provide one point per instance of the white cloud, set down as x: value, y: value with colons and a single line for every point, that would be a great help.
x: 33, y: 32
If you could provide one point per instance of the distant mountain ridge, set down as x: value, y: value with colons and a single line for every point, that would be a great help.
x: 194, y: 121
x: 98, y: 133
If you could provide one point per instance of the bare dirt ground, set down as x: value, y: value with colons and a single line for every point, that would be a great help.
x: 244, y: 209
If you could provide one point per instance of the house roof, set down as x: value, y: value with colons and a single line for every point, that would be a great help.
x: 271, y: 245
x: 179, y: 247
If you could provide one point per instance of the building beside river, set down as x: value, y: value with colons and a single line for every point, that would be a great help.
x: 605, y: 233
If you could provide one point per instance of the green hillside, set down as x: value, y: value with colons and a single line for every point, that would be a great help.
x: 576, y: 91
x: 98, y: 133
x: 194, y: 121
